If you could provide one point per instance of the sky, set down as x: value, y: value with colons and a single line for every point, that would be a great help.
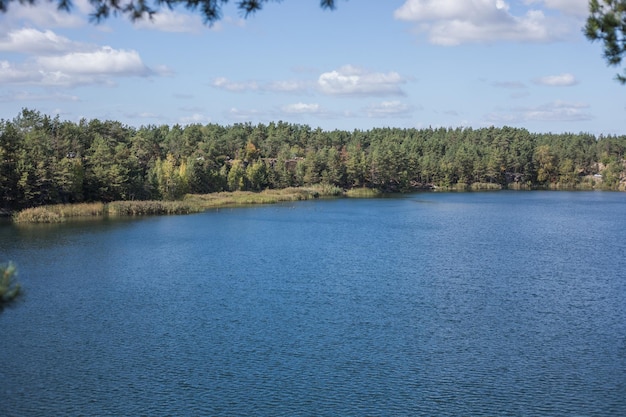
x: 366, y: 64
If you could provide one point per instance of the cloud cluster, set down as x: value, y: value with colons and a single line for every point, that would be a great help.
x: 46, y: 14
x: 353, y: 81
x: 347, y: 81
x: 570, y: 7
x: 301, y: 108
x: 33, y: 41
x: 21, y: 96
x: 54, y: 60
x: 224, y: 83
x: 173, y: 22
x: 184, y: 22
x: 452, y: 22
x: 556, y: 111
x: 561, y: 80
x: 389, y: 109
x: 284, y: 86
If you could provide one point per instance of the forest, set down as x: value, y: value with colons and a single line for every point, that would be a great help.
x: 45, y: 160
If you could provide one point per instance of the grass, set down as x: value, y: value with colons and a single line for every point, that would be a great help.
x: 363, y: 192
x: 150, y: 208
x: 245, y: 198
x: 485, y: 186
x: 58, y: 213
x: 192, y: 203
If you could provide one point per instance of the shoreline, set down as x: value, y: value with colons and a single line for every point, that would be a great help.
x: 196, y: 203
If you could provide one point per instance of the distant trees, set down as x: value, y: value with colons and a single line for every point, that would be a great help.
x: 45, y: 160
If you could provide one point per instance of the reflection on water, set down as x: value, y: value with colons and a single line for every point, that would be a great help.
x: 463, y: 304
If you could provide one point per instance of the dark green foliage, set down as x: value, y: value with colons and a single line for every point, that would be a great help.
x: 9, y: 289
x: 607, y: 23
x: 46, y: 161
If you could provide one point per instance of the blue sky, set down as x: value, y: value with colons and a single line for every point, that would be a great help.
x: 399, y: 63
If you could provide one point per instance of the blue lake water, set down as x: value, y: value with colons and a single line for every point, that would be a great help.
x: 481, y: 304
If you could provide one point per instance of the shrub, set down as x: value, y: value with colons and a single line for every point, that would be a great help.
x: 151, y: 207
x: 37, y: 215
x: 363, y: 192
x: 9, y: 289
x: 485, y: 186
x: 58, y: 212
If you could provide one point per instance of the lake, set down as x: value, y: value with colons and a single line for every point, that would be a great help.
x: 429, y: 304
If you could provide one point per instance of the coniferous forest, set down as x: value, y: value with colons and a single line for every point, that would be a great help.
x: 45, y: 160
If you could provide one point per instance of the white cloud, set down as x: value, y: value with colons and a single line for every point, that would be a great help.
x: 163, y: 70
x: 33, y: 41
x: 104, y: 61
x: 173, y: 22
x: 247, y: 115
x: 423, y: 10
x: 181, y: 22
x: 352, y: 81
x: 46, y: 14
x: 32, y: 74
x: 557, y: 111
x: 452, y: 22
x: 273, y: 86
x: 195, y: 118
x: 289, y: 86
x: 10, y: 73
x: 226, y: 84
x: 301, y: 108
x: 561, y: 80
x: 389, y: 109
x: 571, y: 7
x: 346, y: 81
x: 86, y: 65
x: 144, y: 115
x: 23, y: 96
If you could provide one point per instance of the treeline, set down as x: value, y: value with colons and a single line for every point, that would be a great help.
x: 46, y: 161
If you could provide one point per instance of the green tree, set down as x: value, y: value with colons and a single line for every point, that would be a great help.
x: 256, y: 173
x: 172, y: 178
x: 69, y: 178
x: 9, y: 146
x: 281, y: 175
x: 355, y: 165
x: 102, y: 176
x: 335, y: 168
x: 312, y: 168
x: 236, y: 176
x: 607, y: 23
x: 546, y: 164
x: 35, y: 171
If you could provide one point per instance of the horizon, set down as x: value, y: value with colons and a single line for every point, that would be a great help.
x: 312, y: 128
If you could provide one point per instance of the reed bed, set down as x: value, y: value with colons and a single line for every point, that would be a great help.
x: 150, y: 208
x: 485, y: 186
x: 192, y: 203
x: 363, y: 193
x: 58, y: 213
x: 245, y: 198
